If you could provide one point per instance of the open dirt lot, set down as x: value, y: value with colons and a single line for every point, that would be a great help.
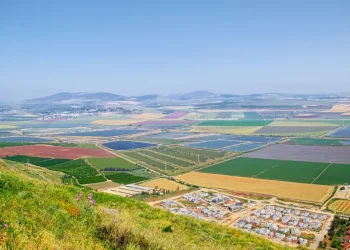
x: 102, y: 185
x: 54, y: 152
x: 328, y: 154
x: 164, y: 184
x: 287, y: 190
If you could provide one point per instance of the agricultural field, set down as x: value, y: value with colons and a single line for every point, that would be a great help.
x: 50, y: 162
x: 25, y: 159
x: 48, y: 151
x: 233, y: 130
x: 236, y: 123
x: 244, y: 147
x: 300, y: 123
x: 166, y: 184
x: 77, y: 168
x: 23, y: 139
x: 112, y: 164
x: 102, y: 185
x: 186, y: 156
x: 166, y: 123
x: 192, y: 116
x: 107, y: 133
x: 161, y: 141
x: 216, y: 144
x: 208, y: 116
x: 5, y: 126
x: 127, y: 145
x: 294, y: 131
x: 124, y: 178
x: 252, y: 115
x: 175, y: 115
x: 223, y: 115
x: 340, y: 206
x: 287, y: 190
x: 139, y: 158
x: 91, y: 179
x: 170, y: 135
x: 335, y: 174
x: 202, y: 152
x: 165, y: 158
x: 315, y: 141
x: 313, y: 172
x: 329, y: 154
x: 342, y: 133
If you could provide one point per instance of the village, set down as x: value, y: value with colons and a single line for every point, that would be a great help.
x: 290, y: 225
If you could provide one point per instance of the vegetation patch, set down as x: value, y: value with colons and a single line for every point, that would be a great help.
x: 92, y: 179
x: 125, y: 178
x: 77, y: 168
x: 112, y: 164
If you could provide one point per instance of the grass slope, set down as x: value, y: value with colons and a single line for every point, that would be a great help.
x: 41, y: 215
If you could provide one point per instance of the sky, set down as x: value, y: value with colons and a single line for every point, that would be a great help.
x: 169, y: 47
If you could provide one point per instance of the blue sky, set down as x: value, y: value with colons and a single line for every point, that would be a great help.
x: 166, y: 47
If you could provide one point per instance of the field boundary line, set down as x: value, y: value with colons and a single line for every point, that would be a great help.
x: 321, y: 173
x: 262, y: 172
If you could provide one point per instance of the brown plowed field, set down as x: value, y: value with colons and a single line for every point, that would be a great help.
x: 54, y: 152
x: 287, y: 190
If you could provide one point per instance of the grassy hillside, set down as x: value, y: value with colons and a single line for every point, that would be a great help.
x: 38, y: 214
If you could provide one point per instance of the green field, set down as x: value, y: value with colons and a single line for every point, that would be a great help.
x: 148, y: 161
x: 210, y: 115
x: 92, y: 179
x: 77, y: 168
x: 315, y: 141
x: 292, y: 171
x: 236, y: 123
x: 5, y: 126
x: 50, y: 162
x: 125, y: 178
x: 25, y: 159
x: 165, y: 158
x: 111, y: 163
x: 335, y: 174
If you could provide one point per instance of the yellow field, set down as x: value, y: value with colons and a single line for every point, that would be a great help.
x: 287, y: 190
x: 340, y: 108
x: 102, y: 185
x: 226, y: 130
x: 294, y: 123
x: 162, y: 183
x: 340, y: 206
x: 5, y: 126
x: 129, y: 119
x: 192, y: 115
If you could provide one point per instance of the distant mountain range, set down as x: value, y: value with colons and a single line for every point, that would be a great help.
x: 84, y: 98
x: 102, y: 97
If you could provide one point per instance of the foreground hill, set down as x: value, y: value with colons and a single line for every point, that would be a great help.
x: 37, y: 214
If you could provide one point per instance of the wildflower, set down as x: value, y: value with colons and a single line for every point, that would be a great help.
x: 115, y: 221
x: 92, y: 202
x: 6, y: 225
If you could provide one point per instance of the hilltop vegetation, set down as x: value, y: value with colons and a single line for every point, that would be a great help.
x: 42, y: 215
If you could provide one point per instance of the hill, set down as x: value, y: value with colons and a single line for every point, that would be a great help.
x: 80, y: 97
x: 39, y: 214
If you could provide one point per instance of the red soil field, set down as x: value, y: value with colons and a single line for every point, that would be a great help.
x: 55, y: 152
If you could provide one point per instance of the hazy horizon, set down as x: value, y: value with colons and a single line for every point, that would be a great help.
x: 231, y: 47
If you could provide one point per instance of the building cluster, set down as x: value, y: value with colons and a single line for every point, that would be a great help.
x: 284, y: 224
x: 209, y: 206
x: 128, y: 190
